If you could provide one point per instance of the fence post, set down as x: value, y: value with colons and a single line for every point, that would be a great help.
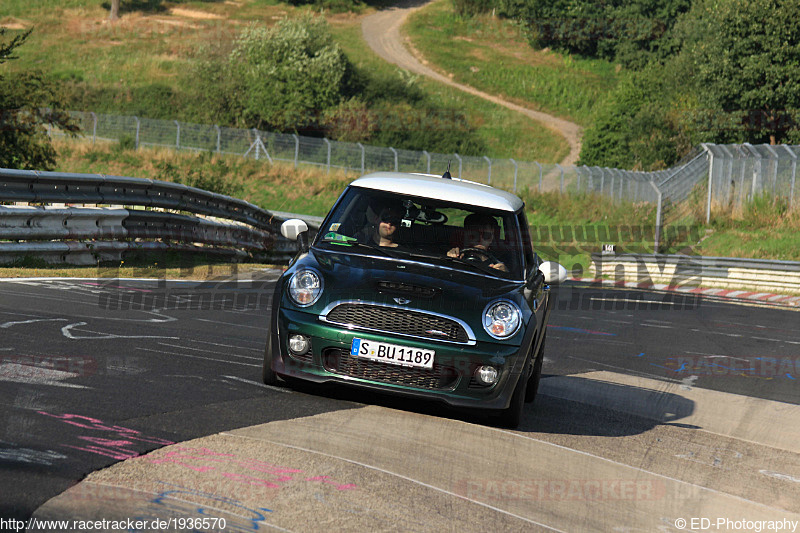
x: 460, y: 164
x: 541, y: 176
x: 515, y: 174
x: 363, y: 157
x: 774, y: 171
x: 658, y: 218
x: 489, y: 162
x: 613, y: 178
x: 710, y: 179
x: 328, y: 143
x: 296, y: 148
x: 257, y: 144
x: 561, y: 178
x: 219, y: 138
x: 178, y: 135
x: 94, y: 127
x: 137, y: 132
x: 396, y: 163
x: 428, y: 156
x: 794, y: 172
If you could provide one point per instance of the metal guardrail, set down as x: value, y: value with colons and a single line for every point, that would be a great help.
x: 755, y: 275
x: 167, y: 216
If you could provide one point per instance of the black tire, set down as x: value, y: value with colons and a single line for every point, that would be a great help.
x: 536, y: 376
x: 268, y: 376
x: 511, y: 416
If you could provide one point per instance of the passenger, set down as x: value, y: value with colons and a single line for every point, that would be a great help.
x: 480, y: 231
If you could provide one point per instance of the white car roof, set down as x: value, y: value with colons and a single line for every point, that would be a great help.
x: 438, y: 188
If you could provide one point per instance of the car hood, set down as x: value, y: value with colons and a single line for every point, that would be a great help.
x: 351, y: 276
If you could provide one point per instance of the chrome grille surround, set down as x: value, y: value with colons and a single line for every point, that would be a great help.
x: 398, y: 320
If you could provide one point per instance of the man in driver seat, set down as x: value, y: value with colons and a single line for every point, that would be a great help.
x: 480, y: 232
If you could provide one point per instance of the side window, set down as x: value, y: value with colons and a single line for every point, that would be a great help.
x: 527, y: 249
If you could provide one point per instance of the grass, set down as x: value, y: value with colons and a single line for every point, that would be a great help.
x: 505, y: 133
x: 140, y: 65
x: 492, y: 55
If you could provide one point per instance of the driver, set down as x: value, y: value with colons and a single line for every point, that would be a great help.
x: 479, y: 234
x: 383, y: 221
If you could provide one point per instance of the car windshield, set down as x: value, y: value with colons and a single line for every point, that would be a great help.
x: 459, y: 236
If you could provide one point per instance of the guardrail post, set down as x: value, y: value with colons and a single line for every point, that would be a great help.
x: 428, y: 156
x: 363, y: 157
x: 460, y: 164
x: 296, y: 148
x: 219, y: 138
x: 515, y: 174
x: 178, y: 136
x: 138, y: 125
x: 396, y: 162
x: 94, y: 127
x: 489, y: 161
x: 328, y: 144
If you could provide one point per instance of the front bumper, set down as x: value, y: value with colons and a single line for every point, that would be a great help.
x: 450, y: 381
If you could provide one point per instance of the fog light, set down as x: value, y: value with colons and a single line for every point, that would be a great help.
x: 486, y: 375
x: 299, y: 344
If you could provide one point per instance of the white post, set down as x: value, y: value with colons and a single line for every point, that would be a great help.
x: 515, y: 174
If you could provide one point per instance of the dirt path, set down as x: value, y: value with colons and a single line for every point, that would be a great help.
x: 382, y: 33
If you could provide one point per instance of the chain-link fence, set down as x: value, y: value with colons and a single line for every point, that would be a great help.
x: 723, y: 176
x: 741, y: 173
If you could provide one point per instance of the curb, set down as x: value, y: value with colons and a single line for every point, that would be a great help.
x: 779, y: 300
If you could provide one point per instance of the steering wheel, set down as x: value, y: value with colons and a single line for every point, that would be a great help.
x: 476, y: 254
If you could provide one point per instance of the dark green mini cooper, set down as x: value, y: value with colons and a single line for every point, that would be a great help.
x: 419, y: 285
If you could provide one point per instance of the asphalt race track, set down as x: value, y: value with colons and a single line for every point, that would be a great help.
x: 655, y: 408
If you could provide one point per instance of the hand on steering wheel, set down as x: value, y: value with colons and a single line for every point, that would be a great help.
x: 477, y: 254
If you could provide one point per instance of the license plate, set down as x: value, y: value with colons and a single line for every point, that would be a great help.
x: 392, y: 353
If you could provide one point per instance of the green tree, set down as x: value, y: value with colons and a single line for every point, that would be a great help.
x: 282, y: 78
x: 746, y: 56
x: 290, y: 73
x: 28, y: 102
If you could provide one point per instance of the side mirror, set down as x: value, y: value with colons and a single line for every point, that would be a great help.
x: 295, y: 229
x: 292, y: 228
x: 554, y: 273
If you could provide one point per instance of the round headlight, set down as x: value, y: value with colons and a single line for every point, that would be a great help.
x: 501, y: 319
x: 305, y: 287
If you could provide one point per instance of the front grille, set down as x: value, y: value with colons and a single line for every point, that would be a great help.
x: 438, y: 378
x: 402, y: 321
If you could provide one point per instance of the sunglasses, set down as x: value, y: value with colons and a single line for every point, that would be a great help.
x: 390, y: 218
x: 484, y: 234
